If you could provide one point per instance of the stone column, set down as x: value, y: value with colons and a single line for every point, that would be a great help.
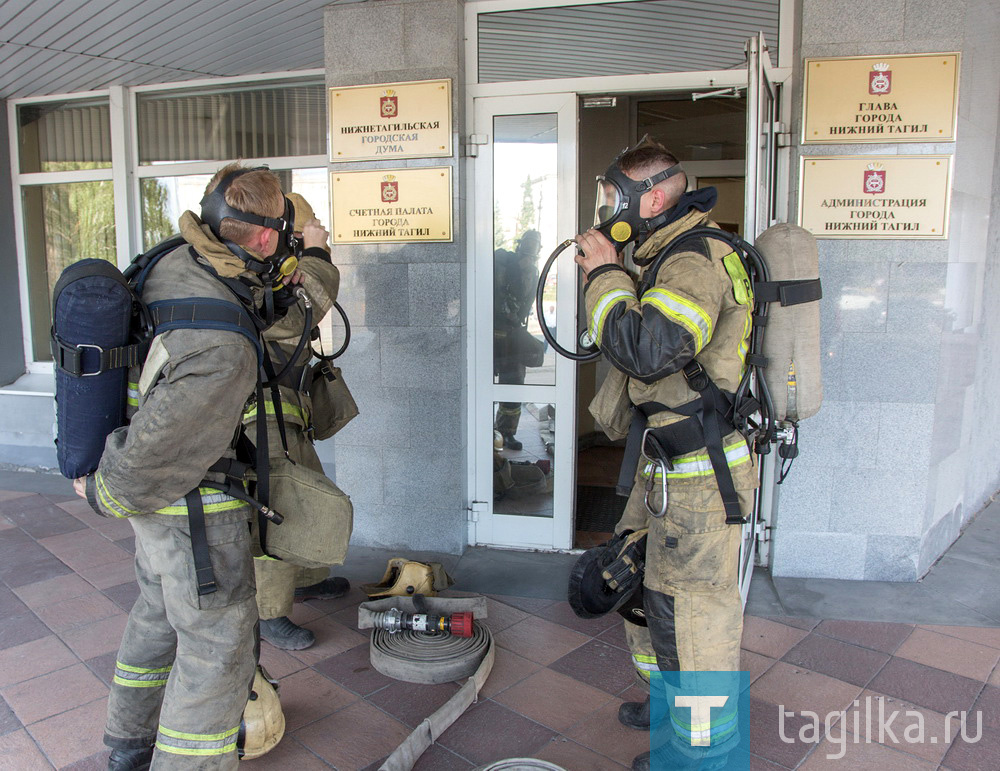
x: 403, y: 460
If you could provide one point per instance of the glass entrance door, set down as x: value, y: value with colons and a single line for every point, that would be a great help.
x: 524, y: 395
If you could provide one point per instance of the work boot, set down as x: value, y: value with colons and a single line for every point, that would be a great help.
x: 511, y: 443
x: 282, y: 633
x: 328, y: 589
x: 635, y: 714
x: 130, y: 760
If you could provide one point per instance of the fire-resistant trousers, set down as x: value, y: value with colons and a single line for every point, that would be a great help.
x: 186, y: 663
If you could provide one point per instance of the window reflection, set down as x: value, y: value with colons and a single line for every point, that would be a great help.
x: 522, y: 466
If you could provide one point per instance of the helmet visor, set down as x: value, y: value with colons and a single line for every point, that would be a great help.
x: 608, y: 202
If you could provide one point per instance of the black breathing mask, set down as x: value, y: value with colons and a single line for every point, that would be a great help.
x: 273, y: 270
x: 616, y: 213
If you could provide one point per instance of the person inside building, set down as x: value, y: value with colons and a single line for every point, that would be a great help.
x: 188, y: 653
x: 280, y: 582
x: 678, y: 336
x: 514, y: 348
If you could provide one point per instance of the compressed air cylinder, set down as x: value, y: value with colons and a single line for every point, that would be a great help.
x: 791, y: 338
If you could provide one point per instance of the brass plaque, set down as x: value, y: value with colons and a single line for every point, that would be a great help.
x: 875, y: 196
x: 391, y: 205
x: 391, y: 121
x: 881, y: 99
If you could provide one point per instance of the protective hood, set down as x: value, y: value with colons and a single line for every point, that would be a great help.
x: 218, y: 255
x: 697, y: 201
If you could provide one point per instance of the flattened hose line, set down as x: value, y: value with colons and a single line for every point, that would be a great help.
x: 429, y: 657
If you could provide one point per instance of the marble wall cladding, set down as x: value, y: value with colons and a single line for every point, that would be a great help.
x: 403, y: 458
x: 910, y: 340
x: 11, y: 343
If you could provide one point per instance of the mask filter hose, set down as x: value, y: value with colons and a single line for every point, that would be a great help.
x: 589, y: 355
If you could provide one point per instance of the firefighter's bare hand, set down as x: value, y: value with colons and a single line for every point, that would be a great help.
x: 594, y: 250
x: 314, y: 234
x: 80, y: 487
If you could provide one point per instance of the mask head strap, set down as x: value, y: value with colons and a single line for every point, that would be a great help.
x: 214, y: 208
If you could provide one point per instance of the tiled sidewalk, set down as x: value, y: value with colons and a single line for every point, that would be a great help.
x: 554, y: 692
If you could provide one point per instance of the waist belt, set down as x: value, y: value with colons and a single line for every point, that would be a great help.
x: 708, y: 419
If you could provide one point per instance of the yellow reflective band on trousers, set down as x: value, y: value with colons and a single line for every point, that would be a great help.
x: 604, y: 305
x: 140, y: 677
x: 108, y: 500
x: 286, y: 409
x: 644, y: 664
x: 180, y: 743
x: 211, y: 500
x: 699, y: 465
x: 682, y: 311
x: 133, y: 395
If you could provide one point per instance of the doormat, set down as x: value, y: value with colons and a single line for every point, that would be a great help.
x: 598, y: 509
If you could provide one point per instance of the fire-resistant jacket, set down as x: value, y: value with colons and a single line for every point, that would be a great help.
x: 321, y: 280
x: 188, y: 400
x: 697, y: 308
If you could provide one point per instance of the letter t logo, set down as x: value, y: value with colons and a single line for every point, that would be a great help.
x: 701, y: 716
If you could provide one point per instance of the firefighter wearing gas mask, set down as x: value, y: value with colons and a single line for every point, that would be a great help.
x: 188, y: 653
x: 669, y: 335
x: 280, y: 582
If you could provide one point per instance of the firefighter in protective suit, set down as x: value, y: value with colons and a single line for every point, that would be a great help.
x: 279, y: 582
x: 187, y: 657
x: 694, y: 311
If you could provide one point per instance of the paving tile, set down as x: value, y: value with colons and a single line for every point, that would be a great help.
x: 10, y: 605
x: 302, y: 614
x: 73, y: 735
x: 561, y: 613
x: 508, y: 669
x: 995, y: 677
x: 80, y: 509
x: 951, y: 654
x: 615, y: 636
x: 53, y: 693
x: 804, y: 623
x: 97, y: 638
x: 96, y: 762
x: 867, y: 634
x: 754, y: 665
x: 500, y: 615
x: 568, y: 754
x: 21, y: 628
x: 58, y: 498
x: 59, y: 589
x: 553, y: 699
x: 528, y: 604
x: 112, y: 528
x: 974, y: 756
x: 18, y: 752
x: 799, y: 689
x: 76, y: 612
x: 769, y: 638
x: 839, y: 660
x: 45, y: 521
x: 279, y: 663
x: 331, y: 638
x: 126, y: 544
x: 874, y: 710
x: 437, y: 758
x: 8, y: 720
x: 123, y: 595
x: 766, y: 734
x: 599, y: 665
x: 373, y: 735
x: 488, y: 732
x: 850, y: 751
x: 410, y: 703
x: 23, y: 503
x: 353, y: 598
x: 353, y: 670
x: 28, y: 564
x: 85, y: 549
x: 103, y: 666
x: 989, y: 704
x: 110, y: 574
x: 989, y: 636
x: 39, y: 657
x: 12, y: 495
x: 540, y: 640
x: 289, y: 754
x: 602, y: 733
x: 306, y: 697
x: 929, y: 687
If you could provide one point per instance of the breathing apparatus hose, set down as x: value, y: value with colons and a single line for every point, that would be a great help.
x: 592, y: 351
x: 303, y: 339
x: 347, y: 337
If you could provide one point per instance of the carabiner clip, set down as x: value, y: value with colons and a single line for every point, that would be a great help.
x: 654, y: 464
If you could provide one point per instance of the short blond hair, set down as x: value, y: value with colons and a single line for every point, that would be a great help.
x: 255, y: 192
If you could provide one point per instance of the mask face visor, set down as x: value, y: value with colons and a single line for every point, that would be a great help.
x: 608, y: 203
